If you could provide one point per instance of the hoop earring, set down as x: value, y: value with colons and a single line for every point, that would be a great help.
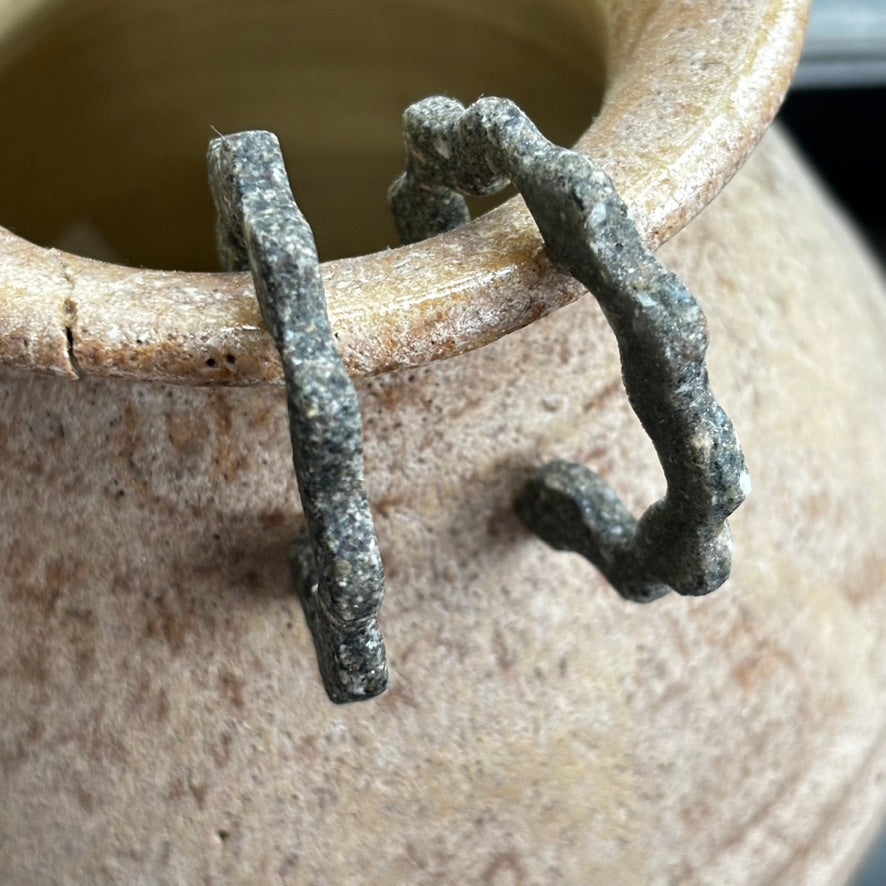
x: 681, y: 542
x: 339, y: 570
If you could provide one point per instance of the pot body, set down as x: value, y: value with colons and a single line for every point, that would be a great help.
x: 164, y: 720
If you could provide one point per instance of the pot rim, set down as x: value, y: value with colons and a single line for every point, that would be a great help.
x: 688, y: 95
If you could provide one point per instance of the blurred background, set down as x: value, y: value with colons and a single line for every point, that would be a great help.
x: 836, y: 110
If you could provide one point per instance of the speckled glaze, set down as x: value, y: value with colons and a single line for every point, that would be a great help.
x: 163, y: 719
x: 686, y: 95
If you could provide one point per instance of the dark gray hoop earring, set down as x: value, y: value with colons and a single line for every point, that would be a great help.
x: 339, y: 573
x: 681, y: 542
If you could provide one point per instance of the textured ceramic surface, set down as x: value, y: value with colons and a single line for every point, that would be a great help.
x: 687, y: 93
x: 164, y: 720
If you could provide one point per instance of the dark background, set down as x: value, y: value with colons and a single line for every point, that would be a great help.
x: 843, y: 133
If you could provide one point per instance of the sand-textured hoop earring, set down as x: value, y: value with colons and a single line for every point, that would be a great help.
x: 681, y: 542
x: 339, y: 573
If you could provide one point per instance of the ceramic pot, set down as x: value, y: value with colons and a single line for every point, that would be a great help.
x: 164, y: 718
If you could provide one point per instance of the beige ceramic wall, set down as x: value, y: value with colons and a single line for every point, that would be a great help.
x: 119, y: 101
x: 163, y: 719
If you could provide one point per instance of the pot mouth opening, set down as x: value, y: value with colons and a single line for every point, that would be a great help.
x: 109, y: 107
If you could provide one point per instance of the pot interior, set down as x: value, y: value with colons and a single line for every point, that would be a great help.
x: 108, y: 107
